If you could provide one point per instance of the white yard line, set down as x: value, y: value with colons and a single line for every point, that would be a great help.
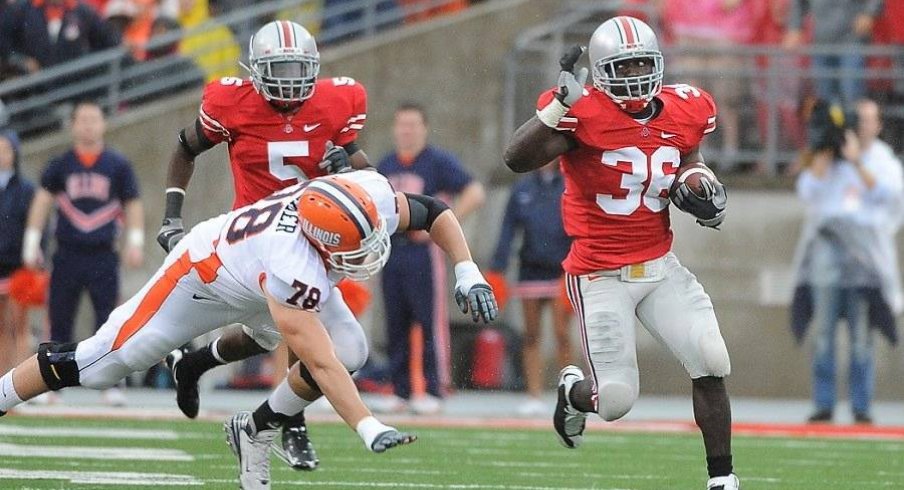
x: 88, y: 432
x: 455, y: 486
x: 102, y: 477
x: 82, y: 452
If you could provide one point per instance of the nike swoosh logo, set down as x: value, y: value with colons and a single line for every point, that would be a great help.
x: 311, y: 127
x: 202, y: 298
x: 668, y: 135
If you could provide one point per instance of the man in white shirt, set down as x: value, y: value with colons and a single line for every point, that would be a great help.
x: 854, y: 202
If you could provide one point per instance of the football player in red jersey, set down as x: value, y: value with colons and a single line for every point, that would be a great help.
x: 282, y: 125
x: 621, y: 142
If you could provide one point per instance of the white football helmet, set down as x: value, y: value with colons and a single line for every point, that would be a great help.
x: 615, y: 41
x: 283, y: 61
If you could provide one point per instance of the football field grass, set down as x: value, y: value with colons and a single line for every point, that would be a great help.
x: 47, y: 453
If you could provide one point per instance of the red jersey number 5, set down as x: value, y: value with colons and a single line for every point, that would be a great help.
x: 278, y: 151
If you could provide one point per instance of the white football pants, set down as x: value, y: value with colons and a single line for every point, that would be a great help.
x: 675, y: 310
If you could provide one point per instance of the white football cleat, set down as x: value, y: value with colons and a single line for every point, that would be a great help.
x: 388, y: 404
x: 252, y: 448
x: 114, y: 397
x: 531, y: 407
x: 729, y: 482
x: 568, y: 421
x: 426, y: 405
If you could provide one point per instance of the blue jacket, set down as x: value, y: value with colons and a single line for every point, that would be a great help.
x: 23, y: 32
x: 535, y: 206
x: 15, y: 199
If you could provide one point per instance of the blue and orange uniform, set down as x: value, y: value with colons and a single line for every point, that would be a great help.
x: 413, y: 280
x: 90, y: 191
x: 535, y: 208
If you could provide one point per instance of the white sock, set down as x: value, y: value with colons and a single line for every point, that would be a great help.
x: 8, y: 396
x: 283, y: 400
x: 215, y: 352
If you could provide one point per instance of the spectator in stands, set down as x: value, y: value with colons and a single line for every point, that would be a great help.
x: 343, y: 20
x: 16, y: 193
x: 167, y: 57
x: 718, y: 24
x: 853, y: 188
x: 845, y: 26
x: 534, y: 207
x: 134, y: 21
x: 774, y: 85
x: 213, y: 49
x: 413, y: 281
x: 94, y: 186
x: 42, y: 33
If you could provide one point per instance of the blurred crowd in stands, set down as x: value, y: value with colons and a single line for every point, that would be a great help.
x: 39, y: 34
x: 783, y: 27
x: 36, y: 34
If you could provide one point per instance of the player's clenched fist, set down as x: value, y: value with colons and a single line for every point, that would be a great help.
x: 335, y: 159
x: 570, y: 88
x: 170, y: 233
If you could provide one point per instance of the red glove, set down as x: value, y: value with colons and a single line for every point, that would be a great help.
x: 356, y: 296
x: 28, y: 287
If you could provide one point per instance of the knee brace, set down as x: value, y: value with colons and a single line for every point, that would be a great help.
x: 57, y: 365
x: 615, y: 399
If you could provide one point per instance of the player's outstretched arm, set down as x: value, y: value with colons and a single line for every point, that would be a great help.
x: 192, y: 143
x: 472, y: 291
x: 306, y: 336
x: 537, y: 141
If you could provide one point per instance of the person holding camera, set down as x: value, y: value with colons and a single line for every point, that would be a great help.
x: 853, y: 189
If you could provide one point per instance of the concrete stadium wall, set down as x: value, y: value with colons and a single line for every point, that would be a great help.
x: 454, y: 66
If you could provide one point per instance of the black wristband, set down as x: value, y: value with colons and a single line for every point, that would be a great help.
x: 174, y: 199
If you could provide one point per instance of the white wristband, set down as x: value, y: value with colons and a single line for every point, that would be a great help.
x: 135, y: 238
x: 467, y: 269
x: 31, y: 246
x: 552, y: 113
x: 369, y: 428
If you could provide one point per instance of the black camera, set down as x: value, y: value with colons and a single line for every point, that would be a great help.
x: 826, y: 126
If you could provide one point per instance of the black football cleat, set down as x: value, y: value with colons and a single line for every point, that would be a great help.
x: 567, y: 421
x: 297, y: 450
x: 187, y: 396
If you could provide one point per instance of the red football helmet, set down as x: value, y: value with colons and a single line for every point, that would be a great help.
x: 340, y: 218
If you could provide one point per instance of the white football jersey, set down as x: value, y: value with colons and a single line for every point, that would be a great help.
x: 261, y: 247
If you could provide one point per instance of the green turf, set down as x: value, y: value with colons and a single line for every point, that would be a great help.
x: 467, y: 458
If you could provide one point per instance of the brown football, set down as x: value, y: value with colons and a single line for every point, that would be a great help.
x: 692, y: 174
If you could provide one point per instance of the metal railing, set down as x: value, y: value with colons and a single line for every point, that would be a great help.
x: 39, y: 102
x: 767, y: 86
